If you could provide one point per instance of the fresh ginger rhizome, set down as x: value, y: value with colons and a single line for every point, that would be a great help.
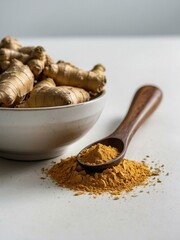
x: 30, y: 78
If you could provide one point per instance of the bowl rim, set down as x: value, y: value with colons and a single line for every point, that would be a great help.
x: 101, y: 95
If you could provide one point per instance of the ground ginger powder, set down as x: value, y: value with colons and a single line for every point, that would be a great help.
x: 123, y: 177
x: 98, y: 154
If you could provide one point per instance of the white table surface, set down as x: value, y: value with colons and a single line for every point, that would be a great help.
x: 32, y: 209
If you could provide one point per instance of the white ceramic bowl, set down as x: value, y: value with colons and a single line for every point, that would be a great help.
x: 43, y: 133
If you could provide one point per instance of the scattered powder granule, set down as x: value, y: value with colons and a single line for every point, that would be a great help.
x: 121, y: 178
x: 116, y: 198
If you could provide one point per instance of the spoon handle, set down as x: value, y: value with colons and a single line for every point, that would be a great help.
x: 144, y: 103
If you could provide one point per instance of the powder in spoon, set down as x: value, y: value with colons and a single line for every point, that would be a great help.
x: 98, y: 154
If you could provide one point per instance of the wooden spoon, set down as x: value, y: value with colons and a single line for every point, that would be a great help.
x: 144, y: 103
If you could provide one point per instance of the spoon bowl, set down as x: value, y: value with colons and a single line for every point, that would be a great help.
x: 108, y: 141
x: 144, y: 103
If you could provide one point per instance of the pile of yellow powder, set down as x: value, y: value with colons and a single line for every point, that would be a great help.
x: 123, y: 177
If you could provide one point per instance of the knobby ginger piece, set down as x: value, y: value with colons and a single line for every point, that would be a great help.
x: 34, y: 56
x: 4, y: 65
x: 27, y: 49
x: 9, y: 54
x: 68, y: 75
x: 15, y: 82
x: 10, y: 42
x: 47, y: 94
x: 39, y: 59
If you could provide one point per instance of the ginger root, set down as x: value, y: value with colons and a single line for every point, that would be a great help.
x: 27, y: 49
x: 10, y: 43
x: 39, y: 59
x: 4, y: 65
x: 9, y: 54
x: 15, y: 82
x: 46, y: 94
x: 68, y: 75
x: 35, y: 57
x: 29, y: 77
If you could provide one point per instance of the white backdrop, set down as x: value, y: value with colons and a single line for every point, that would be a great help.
x: 23, y: 18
